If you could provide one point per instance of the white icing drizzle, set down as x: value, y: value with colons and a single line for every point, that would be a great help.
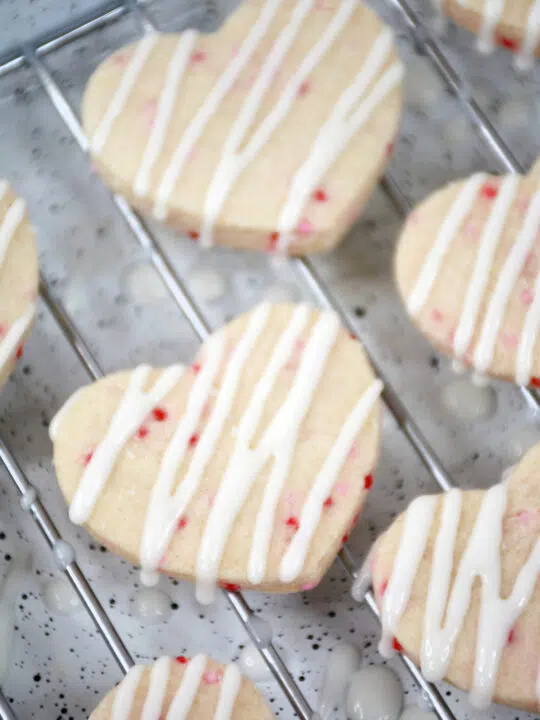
x: 61, y: 414
x: 121, y: 95
x: 169, y: 94
x: 344, y: 121
x: 484, y: 261
x: 230, y: 686
x: 452, y: 223
x: 125, y: 693
x: 493, y: 10
x: 133, y: 409
x: 211, y: 104
x: 11, y: 341
x: 525, y: 58
x: 159, y: 677
x: 10, y: 223
x: 529, y: 335
x: 517, y: 256
x: 481, y: 559
x: 187, y: 692
x: 294, y: 558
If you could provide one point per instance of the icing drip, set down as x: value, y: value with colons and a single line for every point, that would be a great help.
x: 10, y: 223
x: 484, y: 261
x: 133, y: 409
x: 493, y: 10
x: 211, y: 104
x: 120, y: 97
x: 452, y: 223
x: 525, y: 58
x: 184, y: 697
x: 344, y: 121
x: 169, y: 93
x: 11, y: 341
x: 506, y: 281
x: 481, y: 559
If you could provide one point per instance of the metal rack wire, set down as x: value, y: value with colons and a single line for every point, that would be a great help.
x: 32, y: 56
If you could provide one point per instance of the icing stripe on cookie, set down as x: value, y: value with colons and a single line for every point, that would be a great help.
x: 175, y: 72
x: 120, y: 97
x: 12, y: 340
x: 294, y: 558
x: 230, y: 687
x: 10, y: 224
x: 529, y: 337
x: 125, y: 693
x: 133, y: 409
x: 484, y: 261
x: 159, y: 678
x: 448, y: 602
x: 209, y: 107
x: 187, y: 692
x: 493, y: 10
x: 525, y: 57
x: 506, y: 280
x: 452, y: 223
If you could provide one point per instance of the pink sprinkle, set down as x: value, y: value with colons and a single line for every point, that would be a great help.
x: 198, y: 56
x: 511, y: 636
x: 120, y: 59
x: 87, y: 457
x: 383, y: 587
x: 212, y: 677
x: 182, y: 523
x: 437, y: 316
x: 527, y: 296
x: 310, y: 585
x: 509, y: 340
x: 305, y: 227
x: 353, y: 452
x: 341, y: 488
x: 304, y: 88
x: 3, y: 330
x: 472, y: 231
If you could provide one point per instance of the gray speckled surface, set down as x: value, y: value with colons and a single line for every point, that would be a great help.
x: 60, y: 665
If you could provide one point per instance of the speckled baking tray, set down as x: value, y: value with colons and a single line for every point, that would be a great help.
x: 122, y: 290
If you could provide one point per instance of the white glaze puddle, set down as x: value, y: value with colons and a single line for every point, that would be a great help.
x: 151, y: 605
x: 9, y: 591
x: 253, y: 666
x: 467, y: 401
x: 415, y: 713
x: 375, y: 693
x: 207, y: 285
x: 60, y: 597
x: 343, y: 661
x: 143, y: 285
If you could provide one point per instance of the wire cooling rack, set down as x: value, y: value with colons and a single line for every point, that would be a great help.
x: 36, y: 58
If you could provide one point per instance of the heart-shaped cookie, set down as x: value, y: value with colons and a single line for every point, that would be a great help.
x: 514, y: 24
x: 247, y: 469
x: 18, y: 278
x: 269, y: 134
x: 174, y: 688
x: 457, y: 580
x: 467, y: 267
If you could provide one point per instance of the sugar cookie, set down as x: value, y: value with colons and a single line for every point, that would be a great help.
x: 269, y: 134
x: 18, y: 278
x: 481, y: 635
x: 467, y: 268
x: 246, y: 469
x: 182, y: 689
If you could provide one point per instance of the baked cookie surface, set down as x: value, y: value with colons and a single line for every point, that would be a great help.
x: 18, y: 278
x: 195, y: 689
x: 481, y: 635
x: 246, y: 469
x: 269, y: 134
x: 467, y: 268
x: 513, y: 24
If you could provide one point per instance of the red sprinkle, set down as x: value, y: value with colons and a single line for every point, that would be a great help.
x: 181, y: 659
x: 397, y: 645
x: 196, y: 367
x: 490, y: 191
x: 193, y: 234
x: 511, y: 637
x: 507, y: 42
x: 231, y: 587
x: 272, y: 242
x: 320, y: 196
x: 292, y: 522
x: 142, y: 432
x: 353, y: 336
x: 383, y: 588
x: 160, y: 414
x: 198, y: 56
x: 182, y: 523
x: 535, y: 382
x: 88, y: 457
x: 304, y: 88
x: 328, y: 502
x: 344, y: 539
x: 368, y: 481
x: 20, y: 351
x: 193, y: 440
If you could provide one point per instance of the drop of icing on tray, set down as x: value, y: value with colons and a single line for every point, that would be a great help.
x: 468, y: 402
x: 151, y: 605
x: 64, y: 554
x: 9, y: 590
x: 375, y: 693
x: 60, y: 597
x: 342, y: 663
x: 208, y: 285
x: 415, y: 713
x: 143, y: 285
x: 253, y: 666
